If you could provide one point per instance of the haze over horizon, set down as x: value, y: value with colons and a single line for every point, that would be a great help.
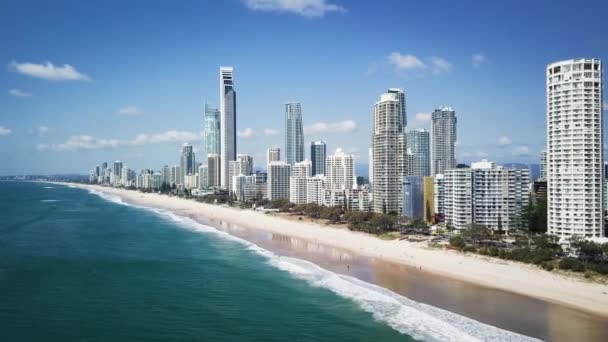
x: 87, y: 83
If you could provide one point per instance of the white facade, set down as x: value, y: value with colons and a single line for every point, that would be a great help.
x: 443, y: 140
x: 458, y: 197
x: 227, y: 124
x: 340, y: 171
x: 388, y: 144
x: 239, y: 183
x: 243, y: 165
x: 315, y: 189
x: 575, y: 148
x: 297, y: 190
x: 278, y: 180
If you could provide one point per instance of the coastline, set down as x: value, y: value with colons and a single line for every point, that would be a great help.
x: 509, y: 276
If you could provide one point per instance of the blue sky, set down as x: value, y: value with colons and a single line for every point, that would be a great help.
x: 88, y: 82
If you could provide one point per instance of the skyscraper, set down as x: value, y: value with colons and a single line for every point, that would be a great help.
x: 418, y: 143
x: 187, y: 162
x: 575, y: 148
x: 212, y: 130
x: 300, y: 172
x: 117, y: 172
x: 401, y: 97
x: 294, y: 134
x: 318, y: 153
x: 388, y: 144
x: 443, y: 139
x: 273, y: 154
x: 413, y: 197
x: 243, y: 165
x: 227, y: 123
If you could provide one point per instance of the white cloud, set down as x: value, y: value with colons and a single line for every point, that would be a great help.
x: 49, y: 71
x: 504, y: 141
x: 270, y: 131
x: 334, y: 127
x: 5, y: 131
x: 42, y: 131
x: 246, y: 133
x: 478, y: 59
x: 440, y: 65
x: 421, y: 120
x: 130, y: 110
x: 87, y: 142
x: 406, y: 62
x: 19, y: 93
x: 521, y: 151
x: 305, y: 8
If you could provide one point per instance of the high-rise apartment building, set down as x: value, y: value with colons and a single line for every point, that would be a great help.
x: 203, y: 177
x: 243, y: 165
x: 187, y: 162
x: 278, y: 180
x: 418, y: 145
x: 212, y: 130
x: 340, y: 172
x: 227, y: 124
x: 300, y: 172
x: 318, y: 154
x: 400, y: 94
x: 214, y: 170
x: 443, y: 140
x: 543, y: 165
x: 294, y: 133
x: 413, y: 197
x: 389, y: 147
x: 575, y: 148
x: 117, y: 172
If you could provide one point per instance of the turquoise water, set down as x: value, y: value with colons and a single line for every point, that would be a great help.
x: 75, y: 267
x: 82, y: 266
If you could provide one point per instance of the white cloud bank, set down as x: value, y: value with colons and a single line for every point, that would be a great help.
x: 130, y: 110
x: 421, y: 120
x: 305, y: 8
x: 346, y: 126
x: 270, y: 131
x: 504, y: 141
x: 85, y: 142
x: 48, y: 71
x: 19, y: 93
x: 246, y: 133
x: 5, y: 131
x: 408, y: 62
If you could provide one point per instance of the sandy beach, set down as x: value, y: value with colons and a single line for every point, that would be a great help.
x: 493, y: 273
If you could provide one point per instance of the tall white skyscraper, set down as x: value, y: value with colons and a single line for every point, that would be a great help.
x: 278, y: 180
x: 389, y: 146
x: 212, y: 130
x: 340, y: 171
x: 575, y: 148
x: 227, y: 123
x: 443, y: 140
x: 418, y: 144
x: 294, y: 134
x: 243, y: 165
x: 318, y: 154
x: 401, y: 97
x: 273, y: 154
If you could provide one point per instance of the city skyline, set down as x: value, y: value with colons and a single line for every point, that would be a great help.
x: 61, y: 113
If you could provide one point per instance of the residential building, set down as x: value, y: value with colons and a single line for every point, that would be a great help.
x: 543, y: 165
x: 389, y: 146
x: 575, y: 167
x: 278, y: 180
x: 413, y: 197
x: 117, y: 172
x: 458, y: 197
x: 315, y: 189
x: 187, y: 162
x: 443, y: 140
x: 227, y: 124
x: 318, y: 154
x: 273, y: 154
x: 400, y: 95
x: 214, y: 170
x: 340, y: 171
x: 212, y: 130
x: 418, y: 145
x: 297, y: 182
x: 243, y: 165
x: 294, y: 134
x: 203, y: 177
x: 239, y: 184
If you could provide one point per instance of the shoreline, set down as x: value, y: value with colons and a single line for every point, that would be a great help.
x: 509, y: 276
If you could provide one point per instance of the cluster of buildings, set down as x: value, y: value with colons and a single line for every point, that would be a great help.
x: 412, y: 172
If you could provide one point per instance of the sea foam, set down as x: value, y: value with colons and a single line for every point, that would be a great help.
x: 419, y: 320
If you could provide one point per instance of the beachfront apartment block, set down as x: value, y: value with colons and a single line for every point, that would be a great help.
x: 575, y: 171
x: 278, y: 180
x: 443, y: 140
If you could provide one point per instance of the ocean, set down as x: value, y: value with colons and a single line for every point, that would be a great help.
x: 77, y: 265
